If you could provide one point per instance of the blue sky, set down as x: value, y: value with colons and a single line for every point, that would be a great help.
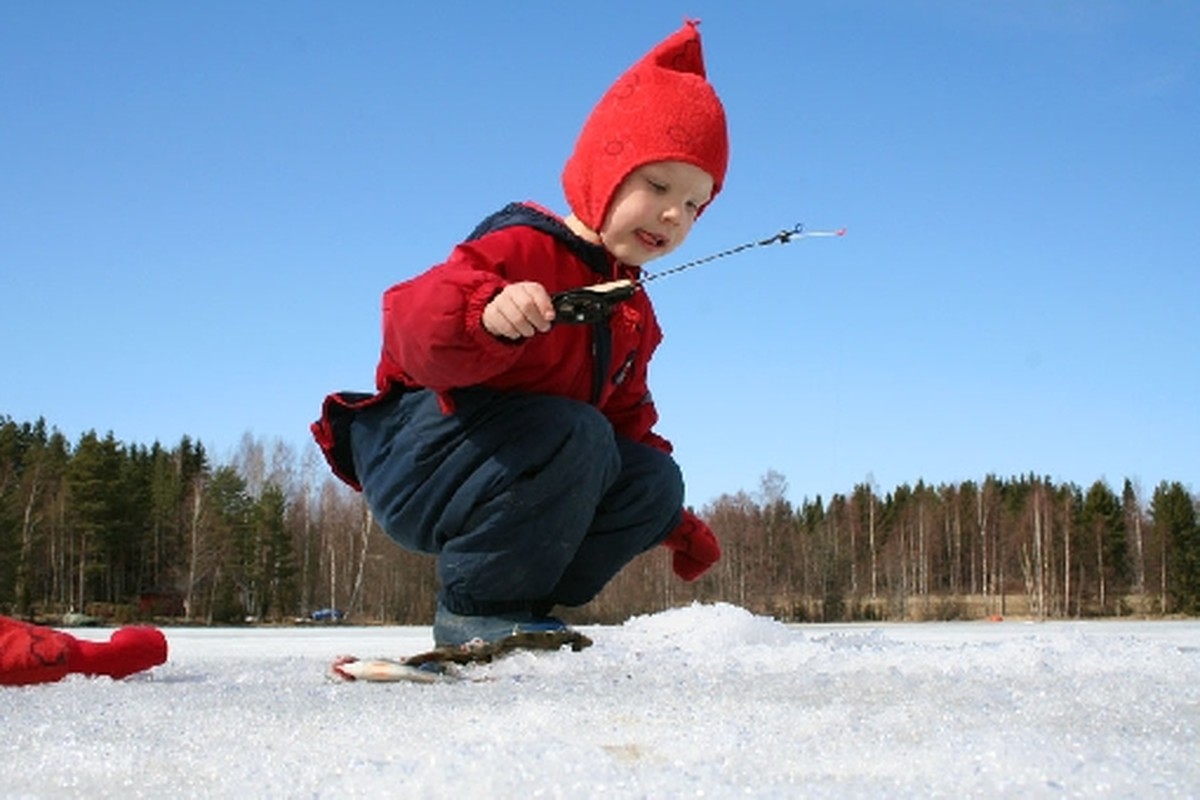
x: 201, y: 204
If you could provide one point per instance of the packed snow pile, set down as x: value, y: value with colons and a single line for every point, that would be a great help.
x: 699, y: 701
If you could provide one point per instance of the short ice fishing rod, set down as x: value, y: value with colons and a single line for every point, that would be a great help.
x: 588, y: 305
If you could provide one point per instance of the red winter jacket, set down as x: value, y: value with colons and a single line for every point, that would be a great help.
x: 433, y: 336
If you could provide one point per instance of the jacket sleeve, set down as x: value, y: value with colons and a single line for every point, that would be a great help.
x: 432, y: 324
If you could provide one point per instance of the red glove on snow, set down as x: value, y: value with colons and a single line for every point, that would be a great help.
x: 129, y: 650
x: 695, y: 547
x: 31, y: 654
x: 34, y: 654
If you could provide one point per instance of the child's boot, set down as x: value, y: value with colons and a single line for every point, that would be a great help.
x: 452, y: 630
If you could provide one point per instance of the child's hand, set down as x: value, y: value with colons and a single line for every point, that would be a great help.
x: 519, y: 311
x: 695, y: 547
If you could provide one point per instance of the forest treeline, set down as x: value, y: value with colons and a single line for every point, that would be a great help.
x: 127, y: 532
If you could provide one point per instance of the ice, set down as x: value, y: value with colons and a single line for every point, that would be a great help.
x: 702, y: 701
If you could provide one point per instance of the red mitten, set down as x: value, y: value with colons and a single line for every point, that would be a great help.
x: 695, y: 547
x: 31, y: 654
x: 130, y: 650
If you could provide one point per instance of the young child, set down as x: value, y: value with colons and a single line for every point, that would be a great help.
x: 519, y: 450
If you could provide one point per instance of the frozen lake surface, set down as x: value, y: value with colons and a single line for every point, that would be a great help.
x: 704, y: 701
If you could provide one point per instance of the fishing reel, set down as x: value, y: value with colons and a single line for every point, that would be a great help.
x: 589, y: 305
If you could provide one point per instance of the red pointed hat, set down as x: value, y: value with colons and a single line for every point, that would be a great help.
x: 662, y: 109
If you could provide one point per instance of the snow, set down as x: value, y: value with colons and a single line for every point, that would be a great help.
x: 703, y: 701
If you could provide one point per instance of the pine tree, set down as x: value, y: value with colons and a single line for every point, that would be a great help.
x: 279, y: 595
x: 1174, y: 515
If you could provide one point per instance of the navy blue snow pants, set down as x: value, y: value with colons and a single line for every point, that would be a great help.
x: 529, y: 501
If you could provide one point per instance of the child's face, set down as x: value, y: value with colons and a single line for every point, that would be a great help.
x: 653, y: 210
